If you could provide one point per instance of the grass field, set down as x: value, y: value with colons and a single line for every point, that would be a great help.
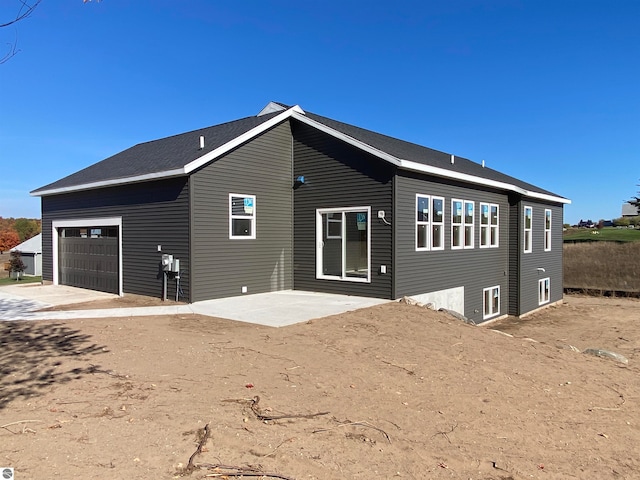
x: 608, y: 234
x: 602, y: 266
x: 13, y: 281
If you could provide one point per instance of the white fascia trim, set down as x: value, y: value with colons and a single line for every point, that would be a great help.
x: 108, y: 183
x: 203, y: 160
x: 422, y: 168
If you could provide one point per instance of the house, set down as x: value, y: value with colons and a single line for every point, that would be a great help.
x: 629, y: 210
x: 288, y: 199
x: 31, y: 255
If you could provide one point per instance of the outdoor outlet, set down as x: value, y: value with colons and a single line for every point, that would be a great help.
x: 380, y: 213
x: 244, y: 289
x: 159, y: 248
x: 383, y: 269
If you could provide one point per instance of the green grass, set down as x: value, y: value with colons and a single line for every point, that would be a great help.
x: 607, y: 234
x: 13, y: 281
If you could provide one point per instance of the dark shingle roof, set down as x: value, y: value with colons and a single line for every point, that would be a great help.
x: 426, y: 156
x: 170, y: 155
x: 157, y: 156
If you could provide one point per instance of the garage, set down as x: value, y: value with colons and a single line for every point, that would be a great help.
x: 88, y: 257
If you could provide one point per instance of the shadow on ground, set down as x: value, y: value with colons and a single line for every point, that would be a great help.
x: 31, y: 356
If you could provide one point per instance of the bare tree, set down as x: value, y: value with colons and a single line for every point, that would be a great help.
x: 25, y: 8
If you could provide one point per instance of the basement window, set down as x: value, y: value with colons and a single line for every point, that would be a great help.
x: 242, y: 216
x: 544, y: 287
x: 491, y: 302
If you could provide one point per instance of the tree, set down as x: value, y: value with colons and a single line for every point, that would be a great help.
x: 25, y: 8
x: 16, y: 264
x: 635, y: 201
x: 8, y: 240
x: 26, y: 228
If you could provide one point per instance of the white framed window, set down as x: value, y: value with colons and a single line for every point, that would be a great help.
x: 491, y: 302
x: 242, y: 216
x: 429, y: 223
x: 437, y: 223
x: 528, y: 229
x: 423, y: 224
x: 547, y: 230
x: 489, y: 225
x: 462, y: 223
x: 544, y: 287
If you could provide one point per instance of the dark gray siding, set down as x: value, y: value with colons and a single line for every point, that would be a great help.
x: 339, y: 175
x: 153, y: 213
x: 515, y: 250
x: 222, y: 266
x: 474, y: 269
x: 550, y: 261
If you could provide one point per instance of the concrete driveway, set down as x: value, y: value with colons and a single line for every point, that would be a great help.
x: 275, y: 309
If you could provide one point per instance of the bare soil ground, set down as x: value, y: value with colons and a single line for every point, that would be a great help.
x: 393, y: 391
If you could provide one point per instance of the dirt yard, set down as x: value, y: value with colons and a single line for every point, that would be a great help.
x: 394, y: 391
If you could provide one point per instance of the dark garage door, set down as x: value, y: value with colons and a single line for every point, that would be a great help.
x: 88, y: 258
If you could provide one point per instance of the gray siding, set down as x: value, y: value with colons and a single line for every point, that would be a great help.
x: 339, y: 175
x: 153, y: 213
x: 222, y: 266
x: 530, y: 262
x: 419, y: 272
x: 515, y: 250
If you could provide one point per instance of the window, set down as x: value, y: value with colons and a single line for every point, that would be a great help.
x: 528, y: 230
x: 422, y: 222
x: 242, y: 216
x: 462, y: 230
x: 343, y: 249
x: 543, y: 290
x: 491, y: 302
x: 429, y: 223
x: 438, y: 224
x: 547, y: 230
x: 488, y: 225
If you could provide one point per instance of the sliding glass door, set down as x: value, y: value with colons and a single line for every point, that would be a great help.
x: 343, y: 244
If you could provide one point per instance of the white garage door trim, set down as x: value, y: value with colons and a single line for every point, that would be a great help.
x: 86, y: 222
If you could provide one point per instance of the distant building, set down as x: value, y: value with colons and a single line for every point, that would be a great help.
x: 629, y: 210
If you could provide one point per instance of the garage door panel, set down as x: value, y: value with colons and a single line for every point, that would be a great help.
x: 89, y: 262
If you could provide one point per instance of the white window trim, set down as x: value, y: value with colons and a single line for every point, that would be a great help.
x: 463, y: 224
x: 319, y: 274
x: 489, y: 226
x: 427, y: 224
x: 251, y: 217
x: 484, y: 309
x: 544, y: 292
x: 529, y: 230
x: 86, y: 222
x: 547, y: 231
x: 434, y: 223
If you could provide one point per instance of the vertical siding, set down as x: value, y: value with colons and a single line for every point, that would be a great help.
x: 153, y: 213
x: 221, y: 266
x: 551, y: 261
x: 474, y: 269
x: 339, y: 175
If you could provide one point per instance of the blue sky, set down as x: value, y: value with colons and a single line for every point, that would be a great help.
x: 546, y: 91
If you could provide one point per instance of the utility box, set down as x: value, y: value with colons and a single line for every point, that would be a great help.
x: 175, y: 265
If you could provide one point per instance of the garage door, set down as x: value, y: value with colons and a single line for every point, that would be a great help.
x: 88, y: 258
